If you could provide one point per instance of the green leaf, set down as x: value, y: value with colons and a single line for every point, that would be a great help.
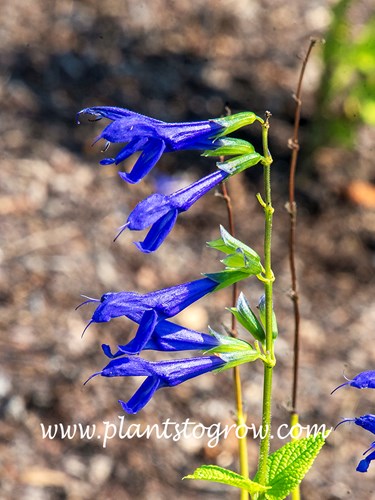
x: 240, y: 163
x: 218, y: 474
x: 247, y: 318
x: 289, y: 465
x: 230, y: 146
x: 236, y: 121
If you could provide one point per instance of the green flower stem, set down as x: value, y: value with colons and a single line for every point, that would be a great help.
x: 268, y: 282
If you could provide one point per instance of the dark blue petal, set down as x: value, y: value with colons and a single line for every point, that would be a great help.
x: 186, y: 197
x: 107, y: 161
x: 160, y: 374
x: 148, y: 211
x: 142, y: 396
x: 113, y: 113
x: 366, y: 422
x: 365, y: 463
x: 136, y: 144
x: 150, y: 156
x: 177, y: 371
x: 190, y: 135
x: 144, y: 332
x: 158, y: 232
x: 125, y: 367
x: 171, y: 301
x: 168, y: 336
x: 166, y: 302
x: 364, y: 380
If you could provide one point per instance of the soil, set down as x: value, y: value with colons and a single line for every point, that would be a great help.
x: 60, y: 211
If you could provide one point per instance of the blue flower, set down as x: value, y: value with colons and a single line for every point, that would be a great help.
x: 161, y: 211
x: 364, y: 380
x: 159, y: 374
x: 151, y: 308
x: 365, y: 463
x: 168, y: 336
x: 367, y: 422
x: 154, y: 137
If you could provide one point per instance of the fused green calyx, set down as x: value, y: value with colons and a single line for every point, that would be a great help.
x: 262, y: 315
x: 231, y: 146
x: 247, y: 318
x: 234, y: 122
x: 240, y: 163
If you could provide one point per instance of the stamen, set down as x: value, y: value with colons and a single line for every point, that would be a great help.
x: 122, y: 228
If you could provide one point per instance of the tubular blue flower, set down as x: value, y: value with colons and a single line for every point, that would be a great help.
x: 159, y: 374
x: 161, y: 211
x: 151, y: 308
x: 367, y: 422
x: 364, y: 380
x: 168, y: 336
x: 152, y: 137
x: 365, y: 463
x: 155, y: 137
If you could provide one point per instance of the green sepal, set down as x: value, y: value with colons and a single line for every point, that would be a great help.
x: 227, y: 344
x: 227, y: 277
x: 229, y: 244
x: 240, y: 260
x: 234, y: 122
x: 243, y: 313
x: 217, y: 474
x: 233, y: 359
x: 231, y: 146
x: 262, y: 315
x: 240, y: 163
x: 287, y: 466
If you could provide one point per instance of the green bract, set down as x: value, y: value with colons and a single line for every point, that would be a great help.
x: 240, y: 255
x: 247, y: 318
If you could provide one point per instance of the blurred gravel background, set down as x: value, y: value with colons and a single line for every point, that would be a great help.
x: 60, y: 210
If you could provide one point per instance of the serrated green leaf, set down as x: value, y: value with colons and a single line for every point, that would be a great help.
x: 218, y: 474
x: 247, y: 318
x: 288, y: 465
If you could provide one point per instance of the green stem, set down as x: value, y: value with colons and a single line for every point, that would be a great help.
x: 268, y: 283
